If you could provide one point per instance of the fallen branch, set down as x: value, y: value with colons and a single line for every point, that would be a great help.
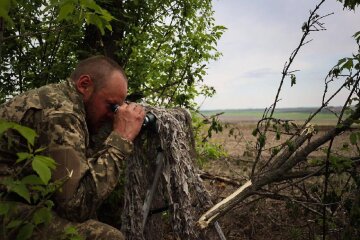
x: 210, y: 215
x: 282, y: 165
x: 229, y: 181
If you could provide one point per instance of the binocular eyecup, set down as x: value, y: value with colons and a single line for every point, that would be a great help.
x: 148, y: 120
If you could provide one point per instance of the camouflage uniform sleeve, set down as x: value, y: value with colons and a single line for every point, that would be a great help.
x: 92, y: 179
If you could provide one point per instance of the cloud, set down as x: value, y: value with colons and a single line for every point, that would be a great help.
x: 260, y: 37
x: 259, y: 73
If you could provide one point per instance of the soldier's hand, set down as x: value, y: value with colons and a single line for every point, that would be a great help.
x: 128, y: 120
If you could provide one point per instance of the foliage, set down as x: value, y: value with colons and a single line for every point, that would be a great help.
x: 203, y: 128
x: 164, y: 46
x: 33, y: 188
x: 350, y: 4
x: 74, y: 11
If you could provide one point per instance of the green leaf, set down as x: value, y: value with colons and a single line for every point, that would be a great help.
x: 22, y: 156
x: 353, y: 138
x: 25, y: 232
x: 66, y: 10
x: 42, y: 165
x: 49, y: 204
x: 348, y: 64
x: 90, y: 4
x: 46, y: 160
x: 340, y: 163
x: 5, y: 6
x: 315, y: 161
x: 293, y: 79
x: 341, y: 61
x: 28, y: 133
x: 275, y: 151
x: 278, y: 135
x: 17, y: 187
x: 4, y: 126
x: 109, y: 27
x: 262, y: 140
x: 14, y: 223
x: 70, y: 230
x: 4, y: 208
x: 290, y: 145
x: 72, y: 234
x: 4, y: 10
x: 255, y: 132
x: 40, y: 150
x: 8, y: 182
x: 32, y: 179
x: 38, y: 188
x: 350, y: 4
x: 21, y: 189
x: 335, y: 71
x: 42, y: 215
x: 357, y: 36
x: 94, y: 19
x: 106, y: 15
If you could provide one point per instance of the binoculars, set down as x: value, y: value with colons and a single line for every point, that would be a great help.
x: 148, y: 120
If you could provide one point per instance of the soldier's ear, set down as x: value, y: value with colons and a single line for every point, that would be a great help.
x: 85, y: 86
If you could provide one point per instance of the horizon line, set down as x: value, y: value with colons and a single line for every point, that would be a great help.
x: 263, y: 108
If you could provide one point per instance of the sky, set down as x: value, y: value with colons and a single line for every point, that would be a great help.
x: 259, y: 39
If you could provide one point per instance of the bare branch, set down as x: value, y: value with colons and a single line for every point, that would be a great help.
x: 206, y: 175
x: 282, y: 165
x: 312, y: 20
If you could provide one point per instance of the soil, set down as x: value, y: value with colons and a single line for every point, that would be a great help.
x: 266, y: 218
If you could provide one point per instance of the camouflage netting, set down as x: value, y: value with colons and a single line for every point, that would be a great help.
x: 180, y: 190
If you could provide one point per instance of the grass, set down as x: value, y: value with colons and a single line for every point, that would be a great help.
x: 289, y: 114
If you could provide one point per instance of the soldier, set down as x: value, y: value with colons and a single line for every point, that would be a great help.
x: 65, y: 116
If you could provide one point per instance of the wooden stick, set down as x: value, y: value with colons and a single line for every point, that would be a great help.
x: 205, y: 219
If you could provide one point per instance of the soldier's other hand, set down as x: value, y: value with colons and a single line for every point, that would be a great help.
x: 128, y: 120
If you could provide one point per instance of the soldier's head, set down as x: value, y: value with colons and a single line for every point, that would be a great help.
x: 101, y: 82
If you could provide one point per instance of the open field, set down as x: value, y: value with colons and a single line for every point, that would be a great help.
x: 266, y: 219
x: 294, y: 114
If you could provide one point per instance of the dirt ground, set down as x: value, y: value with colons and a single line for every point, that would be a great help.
x: 265, y: 219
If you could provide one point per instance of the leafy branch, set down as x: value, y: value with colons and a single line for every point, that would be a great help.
x: 34, y: 189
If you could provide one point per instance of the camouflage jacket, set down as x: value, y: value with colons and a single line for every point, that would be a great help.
x: 57, y: 113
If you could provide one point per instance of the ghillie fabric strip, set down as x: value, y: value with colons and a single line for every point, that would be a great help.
x: 180, y: 191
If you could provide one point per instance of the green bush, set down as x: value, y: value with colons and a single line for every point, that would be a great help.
x: 35, y: 189
x: 203, y: 129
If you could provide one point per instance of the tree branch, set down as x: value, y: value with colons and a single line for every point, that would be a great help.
x: 275, y: 174
x: 313, y: 18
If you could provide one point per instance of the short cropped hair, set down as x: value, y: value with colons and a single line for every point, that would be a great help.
x: 99, y: 68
